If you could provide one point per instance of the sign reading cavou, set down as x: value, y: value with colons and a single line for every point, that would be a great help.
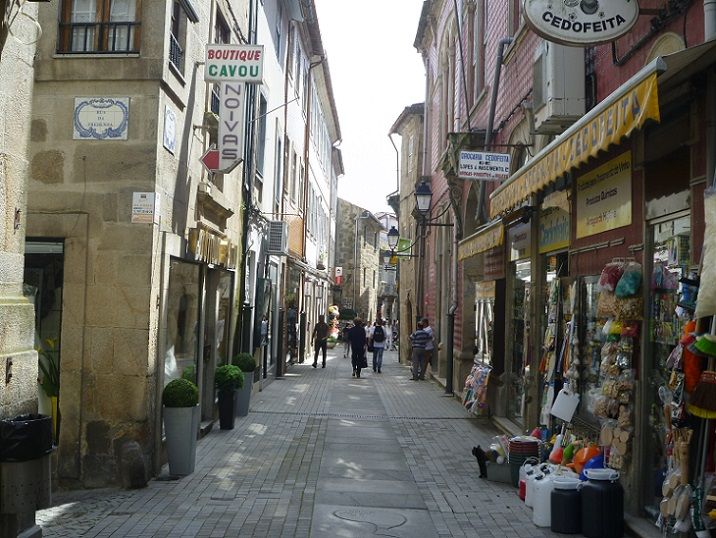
x: 234, y: 63
x: 581, y: 22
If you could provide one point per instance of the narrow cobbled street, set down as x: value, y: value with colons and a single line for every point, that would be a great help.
x: 321, y: 454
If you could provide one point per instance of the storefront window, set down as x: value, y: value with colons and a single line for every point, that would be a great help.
x: 181, y: 355
x: 484, y: 319
x: 669, y: 311
x: 518, y: 340
x: 593, y: 339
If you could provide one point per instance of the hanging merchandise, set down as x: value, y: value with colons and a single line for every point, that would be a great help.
x: 475, y: 392
x: 706, y: 303
x: 565, y: 404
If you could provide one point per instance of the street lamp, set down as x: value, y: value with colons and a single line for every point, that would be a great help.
x: 393, y: 237
x: 423, y: 197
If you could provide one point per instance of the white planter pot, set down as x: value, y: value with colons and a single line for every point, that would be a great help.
x: 181, y: 427
x: 243, y: 395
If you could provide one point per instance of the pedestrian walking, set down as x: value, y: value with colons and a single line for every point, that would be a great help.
x: 418, y: 340
x: 358, y: 344
x: 319, y: 338
x: 346, y: 341
x: 377, y: 339
x: 429, y: 348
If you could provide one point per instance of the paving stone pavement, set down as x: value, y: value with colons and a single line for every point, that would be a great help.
x: 321, y: 454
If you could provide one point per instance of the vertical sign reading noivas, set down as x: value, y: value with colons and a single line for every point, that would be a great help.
x: 231, y: 124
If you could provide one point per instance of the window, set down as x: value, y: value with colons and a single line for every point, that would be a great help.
x: 375, y: 240
x: 364, y: 272
x: 291, y: 49
x: 301, y: 183
x: 294, y: 173
x: 222, y: 34
x: 374, y: 283
x: 278, y: 169
x: 279, y: 21
x: 515, y: 16
x: 478, y: 50
x: 88, y: 26
x: 261, y: 142
x: 177, y: 37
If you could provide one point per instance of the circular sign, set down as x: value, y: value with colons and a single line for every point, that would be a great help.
x: 581, y: 22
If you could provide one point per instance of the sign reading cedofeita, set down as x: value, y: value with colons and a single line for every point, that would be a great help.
x: 581, y: 22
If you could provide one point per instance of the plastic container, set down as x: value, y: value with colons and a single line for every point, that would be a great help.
x: 566, y: 507
x: 602, y: 504
x: 25, y: 437
x: 532, y: 476
x: 542, y: 514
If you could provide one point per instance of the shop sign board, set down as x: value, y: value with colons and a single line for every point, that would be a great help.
x: 100, y: 118
x: 231, y: 125
x: 145, y: 208
x: 208, y: 247
x: 481, y: 241
x: 581, y: 22
x: 520, y: 242
x: 234, y: 63
x: 553, y: 229
x: 482, y: 166
x: 594, y: 133
x: 604, y: 197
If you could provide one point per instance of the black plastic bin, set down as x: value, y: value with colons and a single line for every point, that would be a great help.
x: 25, y: 437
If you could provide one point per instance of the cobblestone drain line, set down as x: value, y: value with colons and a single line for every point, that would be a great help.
x: 384, y: 418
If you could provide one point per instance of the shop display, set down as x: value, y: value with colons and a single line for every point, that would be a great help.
x: 475, y: 391
x: 602, y: 504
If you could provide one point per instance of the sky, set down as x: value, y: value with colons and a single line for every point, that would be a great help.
x: 376, y: 72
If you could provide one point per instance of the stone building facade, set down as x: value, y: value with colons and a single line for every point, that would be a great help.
x: 357, y: 250
x: 135, y: 244
x: 409, y: 125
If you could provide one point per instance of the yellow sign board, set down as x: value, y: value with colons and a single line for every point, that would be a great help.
x: 481, y: 241
x: 553, y: 229
x: 604, y: 197
x: 585, y: 139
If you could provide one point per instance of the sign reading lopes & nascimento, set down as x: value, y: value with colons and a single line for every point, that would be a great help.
x: 479, y: 165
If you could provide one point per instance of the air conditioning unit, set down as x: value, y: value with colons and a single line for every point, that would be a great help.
x: 278, y: 238
x: 558, y: 94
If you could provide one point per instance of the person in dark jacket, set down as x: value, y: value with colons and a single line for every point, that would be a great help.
x: 358, y: 340
x: 319, y: 337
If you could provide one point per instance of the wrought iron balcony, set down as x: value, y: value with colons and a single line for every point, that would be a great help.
x: 176, y: 54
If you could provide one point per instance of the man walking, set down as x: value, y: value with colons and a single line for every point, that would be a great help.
x: 377, y: 337
x: 358, y: 343
x: 319, y: 338
x: 418, y: 339
x: 429, y: 348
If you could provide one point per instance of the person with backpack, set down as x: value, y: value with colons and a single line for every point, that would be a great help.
x: 358, y: 343
x: 377, y: 337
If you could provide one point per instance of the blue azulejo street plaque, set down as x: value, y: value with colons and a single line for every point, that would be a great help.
x: 100, y: 118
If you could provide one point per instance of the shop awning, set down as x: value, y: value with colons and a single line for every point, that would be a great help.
x: 489, y: 236
x: 625, y: 110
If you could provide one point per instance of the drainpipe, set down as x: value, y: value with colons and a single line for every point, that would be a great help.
x: 504, y: 43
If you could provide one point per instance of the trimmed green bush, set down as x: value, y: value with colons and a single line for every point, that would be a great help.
x: 180, y: 393
x: 189, y: 373
x: 245, y: 361
x: 228, y: 377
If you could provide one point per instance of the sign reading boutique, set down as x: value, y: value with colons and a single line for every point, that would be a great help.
x: 604, y: 197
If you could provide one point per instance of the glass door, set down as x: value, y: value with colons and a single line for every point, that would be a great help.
x: 518, y: 337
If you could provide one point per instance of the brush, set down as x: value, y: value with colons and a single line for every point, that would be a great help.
x: 703, y: 400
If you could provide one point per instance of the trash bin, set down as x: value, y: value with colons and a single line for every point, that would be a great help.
x: 25, y: 437
x: 25, y: 466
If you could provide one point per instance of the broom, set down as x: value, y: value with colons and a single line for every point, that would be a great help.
x: 703, y: 400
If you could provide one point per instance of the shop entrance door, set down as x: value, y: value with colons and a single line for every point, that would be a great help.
x: 518, y: 349
x: 43, y: 285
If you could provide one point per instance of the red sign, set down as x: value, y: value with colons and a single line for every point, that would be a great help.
x: 210, y: 160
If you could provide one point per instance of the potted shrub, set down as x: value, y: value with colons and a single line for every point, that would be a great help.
x: 247, y: 364
x: 228, y: 378
x: 180, y: 401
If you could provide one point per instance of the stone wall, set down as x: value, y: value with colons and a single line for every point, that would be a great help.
x: 18, y: 360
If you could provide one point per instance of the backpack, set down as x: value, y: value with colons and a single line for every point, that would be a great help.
x: 378, y: 334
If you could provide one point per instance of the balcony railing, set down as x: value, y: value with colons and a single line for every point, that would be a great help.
x: 176, y: 54
x: 99, y: 37
x: 215, y: 99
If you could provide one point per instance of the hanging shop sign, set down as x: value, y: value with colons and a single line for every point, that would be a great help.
x: 100, y: 118
x: 481, y: 166
x: 553, y: 229
x: 581, y: 22
x: 604, y: 197
x: 234, y: 63
x: 209, y: 247
x: 603, y: 126
x: 485, y: 239
x: 520, y: 241
x: 231, y: 125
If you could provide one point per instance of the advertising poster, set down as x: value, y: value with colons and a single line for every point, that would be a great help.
x: 604, y: 197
